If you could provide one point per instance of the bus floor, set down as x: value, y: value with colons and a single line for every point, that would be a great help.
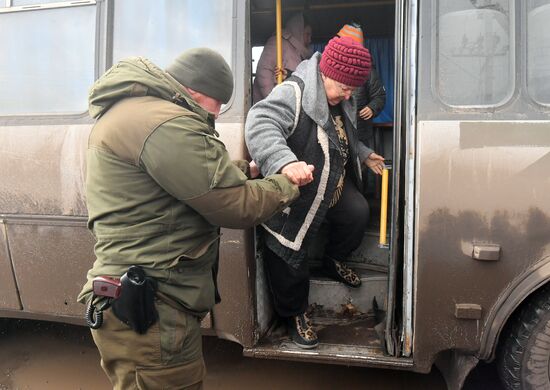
x: 352, y: 337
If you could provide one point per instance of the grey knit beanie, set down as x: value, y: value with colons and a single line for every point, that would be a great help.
x: 205, y: 71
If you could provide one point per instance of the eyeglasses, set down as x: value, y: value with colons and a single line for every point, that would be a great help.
x: 344, y: 88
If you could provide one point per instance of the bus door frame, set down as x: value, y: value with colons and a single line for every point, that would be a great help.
x: 399, y: 336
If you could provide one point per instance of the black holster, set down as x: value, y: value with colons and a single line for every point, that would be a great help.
x: 136, y: 304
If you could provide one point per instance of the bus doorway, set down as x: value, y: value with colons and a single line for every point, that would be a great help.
x: 356, y: 324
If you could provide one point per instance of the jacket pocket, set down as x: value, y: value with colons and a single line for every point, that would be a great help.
x: 196, y: 253
x: 191, y: 280
x: 180, y: 335
x: 180, y: 376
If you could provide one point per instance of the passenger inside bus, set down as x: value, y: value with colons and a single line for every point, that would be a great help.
x: 296, y: 39
x: 282, y: 135
x: 370, y: 97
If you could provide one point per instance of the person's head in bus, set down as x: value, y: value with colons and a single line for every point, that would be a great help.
x: 298, y: 28
x: 345, y: 65
x: 371, y: 97
x: 206, y: 76
x: 352, y: 30
x: 296, y: 40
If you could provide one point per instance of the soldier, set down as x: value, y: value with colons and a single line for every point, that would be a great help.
x: 159, y: 185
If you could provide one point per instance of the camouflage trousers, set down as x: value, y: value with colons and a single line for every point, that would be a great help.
x: 168, y: 356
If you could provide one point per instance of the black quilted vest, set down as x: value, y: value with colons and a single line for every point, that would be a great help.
x: 289, y: 232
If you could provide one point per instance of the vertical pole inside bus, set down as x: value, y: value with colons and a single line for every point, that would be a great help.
x: 279, y: 35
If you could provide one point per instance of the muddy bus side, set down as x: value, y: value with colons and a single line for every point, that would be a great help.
x: 469, y: 255
x: 45, y: 245
x: 482, y: 210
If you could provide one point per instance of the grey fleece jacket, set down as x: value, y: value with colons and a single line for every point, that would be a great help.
x: 294, y: 120
x: 272, y: 121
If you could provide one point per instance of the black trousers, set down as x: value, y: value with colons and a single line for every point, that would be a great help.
x: 347, y: 223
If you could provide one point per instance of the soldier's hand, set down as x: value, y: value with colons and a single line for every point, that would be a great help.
x: 299, y: 172
x: 375, y: 162
x: 366, y: 113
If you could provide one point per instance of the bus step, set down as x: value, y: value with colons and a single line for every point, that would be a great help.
x: 329, y: 353
x: 331, y: 296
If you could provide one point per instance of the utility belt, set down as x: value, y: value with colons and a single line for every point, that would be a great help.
x: 132, y: 299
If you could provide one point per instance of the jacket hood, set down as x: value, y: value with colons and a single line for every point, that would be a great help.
x: 134, y: 77
x: 294, y: 33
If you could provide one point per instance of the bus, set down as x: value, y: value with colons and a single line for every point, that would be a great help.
x: 460, y: 274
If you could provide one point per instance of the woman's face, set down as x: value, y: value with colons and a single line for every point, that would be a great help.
x: 336, y: 91
x: 307, y: 35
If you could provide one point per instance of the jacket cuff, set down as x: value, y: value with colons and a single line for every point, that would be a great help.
x: 364, y: 152
x: 244, y: 166
x: 274, y: 163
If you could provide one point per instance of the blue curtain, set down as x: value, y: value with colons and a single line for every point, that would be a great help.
x: 382, y: 51
x: 318, y: 47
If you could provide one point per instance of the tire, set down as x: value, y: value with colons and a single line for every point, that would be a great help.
x: 524, y: 356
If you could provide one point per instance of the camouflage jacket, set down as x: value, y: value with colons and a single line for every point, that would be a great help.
x: 160, y: 183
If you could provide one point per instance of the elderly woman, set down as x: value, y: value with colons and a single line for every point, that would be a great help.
x: 296, y: 41
x: 306, y: 129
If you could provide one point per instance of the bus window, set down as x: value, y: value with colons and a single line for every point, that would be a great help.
x: 538, y: 51
x: 475, y: 52
x: 52, y: 71
x: 256, y: 54
x: 160, y: 30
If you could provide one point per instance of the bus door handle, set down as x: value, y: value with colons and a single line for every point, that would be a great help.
x: 486, y: 252
x: 384, y: 207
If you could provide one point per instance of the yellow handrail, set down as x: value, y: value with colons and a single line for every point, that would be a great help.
x: 384, y: 206
x: 279, y: 40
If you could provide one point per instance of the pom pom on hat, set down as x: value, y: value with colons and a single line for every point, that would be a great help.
x: 352, y: 31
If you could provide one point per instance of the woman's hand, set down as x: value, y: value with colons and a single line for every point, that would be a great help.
x: 279, y: 71
x: 366, y: 113
x: 375, y: 162
x: 254, y: 169
x: 299, y: 172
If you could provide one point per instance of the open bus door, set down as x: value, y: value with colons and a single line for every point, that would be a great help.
x: 355, y: 326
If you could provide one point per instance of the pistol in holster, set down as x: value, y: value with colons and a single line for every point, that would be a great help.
x: 132, y: 299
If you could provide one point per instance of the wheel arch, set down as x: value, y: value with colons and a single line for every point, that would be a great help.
x: 507, y: 305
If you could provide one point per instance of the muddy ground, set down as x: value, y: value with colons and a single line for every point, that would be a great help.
x: 48, y: 356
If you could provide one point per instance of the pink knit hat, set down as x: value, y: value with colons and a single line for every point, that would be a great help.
x: 345, y: 61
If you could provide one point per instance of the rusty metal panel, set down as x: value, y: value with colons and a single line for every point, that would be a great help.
x: 476, y: 183
x: 43, y: 169
x: 234, y: 317
x: 50, y: 263
x: 8, y: 289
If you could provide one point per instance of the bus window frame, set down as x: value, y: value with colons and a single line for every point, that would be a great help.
x: 110, y: 53
x: 76, y: 117
x: 9, y: 8
x: 481, y: 108
x: 525, y: 9
x: 103, y: 59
